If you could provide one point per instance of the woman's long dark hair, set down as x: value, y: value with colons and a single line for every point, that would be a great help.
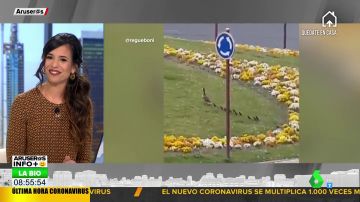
x: 76, y: 95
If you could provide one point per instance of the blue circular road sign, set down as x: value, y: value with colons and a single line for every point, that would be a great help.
x: 225, y: 45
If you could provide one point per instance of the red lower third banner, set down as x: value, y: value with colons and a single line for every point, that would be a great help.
x: 44, y: 194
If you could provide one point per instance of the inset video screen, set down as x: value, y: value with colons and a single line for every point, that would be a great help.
x: 178, y: 93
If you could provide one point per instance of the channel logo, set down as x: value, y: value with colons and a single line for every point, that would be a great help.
x: 31, y: 11
x: 316, y: 180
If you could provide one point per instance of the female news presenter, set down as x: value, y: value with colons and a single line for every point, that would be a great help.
x: 54, y: 118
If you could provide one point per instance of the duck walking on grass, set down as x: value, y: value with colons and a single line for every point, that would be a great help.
x: 205, y: 97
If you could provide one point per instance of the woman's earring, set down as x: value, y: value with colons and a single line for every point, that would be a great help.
x: 72, y: 76
x: 43, y: 70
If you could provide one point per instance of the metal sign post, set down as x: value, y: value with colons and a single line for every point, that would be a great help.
x: 225, y: 47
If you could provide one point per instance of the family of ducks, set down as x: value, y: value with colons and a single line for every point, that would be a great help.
x: 208, y: 102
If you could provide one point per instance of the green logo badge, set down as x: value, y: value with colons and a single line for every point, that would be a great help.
x: 316, y: 181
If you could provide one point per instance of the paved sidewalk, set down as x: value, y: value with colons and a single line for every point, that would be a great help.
x: 284, y: 161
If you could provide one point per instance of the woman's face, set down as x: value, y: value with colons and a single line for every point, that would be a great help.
x: 59, y: 65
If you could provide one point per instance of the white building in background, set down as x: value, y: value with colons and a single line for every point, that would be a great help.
x: 2, y: 88
x: 91, y: 178
x: 62, y: 178
x: 5, y: 177
x: 280, y: 180
x: 342, y: 178
x: 302, y: 180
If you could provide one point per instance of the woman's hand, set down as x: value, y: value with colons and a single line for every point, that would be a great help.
x: 68, y: 160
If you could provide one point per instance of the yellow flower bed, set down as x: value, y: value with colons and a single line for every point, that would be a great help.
x: 187, y: 145
x: 280, y: 81
x: 275, y: 52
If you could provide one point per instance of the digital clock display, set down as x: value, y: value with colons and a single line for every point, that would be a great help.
x: 29, y: 182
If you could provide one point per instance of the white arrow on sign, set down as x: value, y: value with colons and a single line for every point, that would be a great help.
x: 219, y: 42
x: 229, y: 41
x: 227, y: 53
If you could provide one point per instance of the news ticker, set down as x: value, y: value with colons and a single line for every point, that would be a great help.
x: 186, y: 191
x: 188, y: 194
